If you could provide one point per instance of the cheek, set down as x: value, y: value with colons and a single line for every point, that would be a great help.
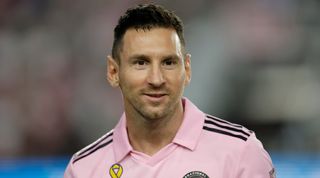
x: 131, y: 79
x: 178, y: 79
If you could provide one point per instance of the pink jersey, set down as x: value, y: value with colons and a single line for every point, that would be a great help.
x: 204, y: 146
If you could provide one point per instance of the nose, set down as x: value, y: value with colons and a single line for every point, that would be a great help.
x: 155, y: 76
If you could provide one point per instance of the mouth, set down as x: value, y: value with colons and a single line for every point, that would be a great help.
x: 155, y: 97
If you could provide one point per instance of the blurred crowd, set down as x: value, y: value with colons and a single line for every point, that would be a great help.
x: 254, y: 62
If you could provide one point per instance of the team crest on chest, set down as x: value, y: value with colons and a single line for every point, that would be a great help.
x: 196, y: 174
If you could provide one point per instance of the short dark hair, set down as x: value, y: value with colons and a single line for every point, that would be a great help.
x: 146, y: 17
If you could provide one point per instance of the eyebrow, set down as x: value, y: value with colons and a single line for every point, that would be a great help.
x: 172, y: 56
x: 139, y: 56
x: 145, y: 57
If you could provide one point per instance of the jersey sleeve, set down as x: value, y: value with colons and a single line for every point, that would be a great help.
x: 255, y: 161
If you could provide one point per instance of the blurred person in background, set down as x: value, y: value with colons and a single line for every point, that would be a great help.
x: 162, y: 133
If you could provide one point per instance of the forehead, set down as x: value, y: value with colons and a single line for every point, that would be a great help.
x: 153, y: 41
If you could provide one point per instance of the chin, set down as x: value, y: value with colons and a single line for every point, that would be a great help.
x: 154, y: 115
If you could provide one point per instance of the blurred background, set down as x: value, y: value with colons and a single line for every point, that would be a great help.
x: 254, y: 62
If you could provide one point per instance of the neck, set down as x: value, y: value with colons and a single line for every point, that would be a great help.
x: 150, y: 135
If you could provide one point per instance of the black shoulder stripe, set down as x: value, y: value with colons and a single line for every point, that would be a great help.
x: 223, y: 121
x: 81, y: 152
x: 226, y: 127
x: 92, y: 151
x: 225, y: 133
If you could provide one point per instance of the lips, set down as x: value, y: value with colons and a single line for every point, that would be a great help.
x: 156, y: 95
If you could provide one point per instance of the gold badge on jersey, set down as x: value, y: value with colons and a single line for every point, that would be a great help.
x: 115, y: 171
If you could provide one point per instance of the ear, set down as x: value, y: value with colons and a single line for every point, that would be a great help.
x: 112, y: 72
x: 187, y: 67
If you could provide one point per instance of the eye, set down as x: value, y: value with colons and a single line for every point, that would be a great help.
x: 169, y: 63
x: 140, y: 64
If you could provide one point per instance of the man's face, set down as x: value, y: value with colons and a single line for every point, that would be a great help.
x: 152, y: 72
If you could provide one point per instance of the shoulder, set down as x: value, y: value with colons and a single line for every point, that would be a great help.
x: 89, y: 158
x: 249, y: 156
x: 228, y: 130
x: 94, y: 148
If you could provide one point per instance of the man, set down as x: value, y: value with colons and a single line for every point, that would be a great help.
x: 162, y: 134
